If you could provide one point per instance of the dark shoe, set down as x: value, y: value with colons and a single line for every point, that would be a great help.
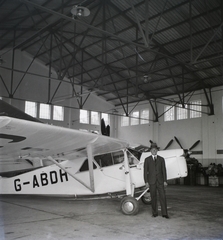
x: 155, y: 215
x: 166, y: 216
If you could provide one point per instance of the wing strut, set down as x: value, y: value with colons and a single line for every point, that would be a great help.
x: 68, y: 172
x: 129, y: 186
x: 90, y: 165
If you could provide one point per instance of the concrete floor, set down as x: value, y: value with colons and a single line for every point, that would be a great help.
x: 196, y: 212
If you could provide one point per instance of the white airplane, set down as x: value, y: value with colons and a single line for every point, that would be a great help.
x: 41, y: 159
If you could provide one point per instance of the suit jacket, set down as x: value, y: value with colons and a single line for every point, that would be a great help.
x: 155, y: 171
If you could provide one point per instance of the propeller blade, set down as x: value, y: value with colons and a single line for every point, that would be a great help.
x: 194, y: 145
x: 103, y: 128
x: 170, y: 142
x: 108, y: 130
x: 178, y: 142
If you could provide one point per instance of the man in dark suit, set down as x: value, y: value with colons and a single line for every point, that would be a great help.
x: 155, y: 178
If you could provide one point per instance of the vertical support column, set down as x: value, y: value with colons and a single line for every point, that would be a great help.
x: 147, y: 21
x: 155, y: 111
x: 221, y: 37
x: 191, y: 35
x: 209, y: 139
x: 49, y: 74
x: 13, y: 62
x: 156, y: 132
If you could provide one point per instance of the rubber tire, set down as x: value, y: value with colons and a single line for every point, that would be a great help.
x: 129, y: 206
x: 146, y: 200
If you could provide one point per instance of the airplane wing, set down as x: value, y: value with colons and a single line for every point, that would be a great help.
x: 21, y: 139
x: 10, y: 111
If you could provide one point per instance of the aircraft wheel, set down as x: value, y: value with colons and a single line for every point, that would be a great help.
x: 146, y: 198
x: 129, y: 206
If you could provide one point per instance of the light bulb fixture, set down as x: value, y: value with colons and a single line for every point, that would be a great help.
x: 80, y: 11
x: 146, y: 78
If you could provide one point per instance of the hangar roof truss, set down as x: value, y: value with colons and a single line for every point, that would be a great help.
x: 125, y: 51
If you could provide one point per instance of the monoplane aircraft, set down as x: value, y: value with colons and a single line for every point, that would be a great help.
x: 42, y: 159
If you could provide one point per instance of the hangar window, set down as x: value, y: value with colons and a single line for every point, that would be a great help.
x: 134, y: 118
x: 84, y: 116
x: 95, y: 119
x: 144, y: 116
x: 169, y: 113
x: 105, y: 116
x: 44, y: 111
x: 195, y: 109
x: 181, y: 112
x: 31, y: 108
x: 58, y: 113
x: 124, y: 121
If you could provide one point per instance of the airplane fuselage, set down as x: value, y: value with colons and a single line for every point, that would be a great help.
x: 108, y: 178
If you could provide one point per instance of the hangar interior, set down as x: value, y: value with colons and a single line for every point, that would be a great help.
x: 153, y: 69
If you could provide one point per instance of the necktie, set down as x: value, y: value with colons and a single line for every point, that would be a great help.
x: 154, y: 158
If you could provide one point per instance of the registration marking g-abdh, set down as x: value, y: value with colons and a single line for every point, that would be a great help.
x: 43, y: 179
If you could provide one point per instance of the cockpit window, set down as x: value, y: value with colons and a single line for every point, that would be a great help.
x: 136, y: 153
x: 109, y: 159
x: 133, y: 157
x: 104, y: 160
x: 118, y: 157
x: 85, y: 166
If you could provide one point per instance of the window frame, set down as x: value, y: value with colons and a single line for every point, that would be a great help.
x: 61, y: 114
x: 194, y: 112
x: 124, y: 121
x: 182, y: 113
x: 106, y: 118
x: 35, y: 109
x: 134, y: 120
x: 87, y: 117
x: 43, y: 112
x: 172, y: 110
x: 144, y: 121
x: 92, y: 117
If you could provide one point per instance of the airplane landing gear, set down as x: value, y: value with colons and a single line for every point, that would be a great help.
x: 129, y: 205
x: 146, y: 198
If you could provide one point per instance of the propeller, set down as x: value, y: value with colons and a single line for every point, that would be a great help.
x: 105, y: 130
x: 108, y: 130
x: 186, y: 151
x: 178, y: 142
x: 194, y: 145
x: 170, y: 142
